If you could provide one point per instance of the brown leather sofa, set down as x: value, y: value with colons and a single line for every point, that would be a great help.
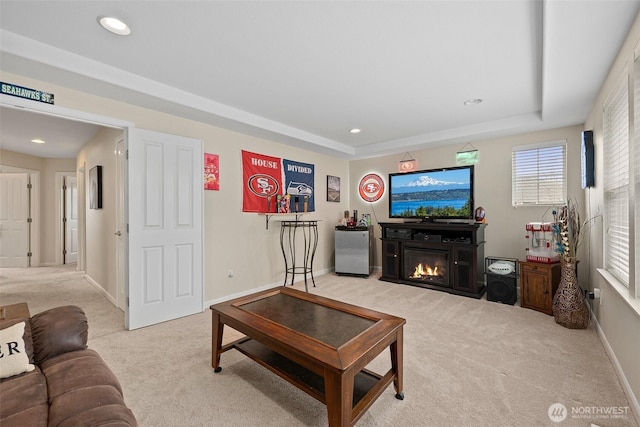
x: 70, y: 385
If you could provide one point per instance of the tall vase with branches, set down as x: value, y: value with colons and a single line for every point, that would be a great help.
x: 569, y: 307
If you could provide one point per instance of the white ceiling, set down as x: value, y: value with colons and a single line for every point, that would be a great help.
x: 305, y: 72
x: 63, y: 138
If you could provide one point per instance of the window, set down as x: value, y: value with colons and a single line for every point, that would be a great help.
x: 539, y: 174
x: 616, y: 184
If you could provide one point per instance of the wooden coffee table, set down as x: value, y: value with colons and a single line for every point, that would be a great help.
x: 14, y: 311
x: 320, y: 345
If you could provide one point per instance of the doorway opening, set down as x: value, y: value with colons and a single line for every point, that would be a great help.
x: 163, y: 238
x: 66, y: 220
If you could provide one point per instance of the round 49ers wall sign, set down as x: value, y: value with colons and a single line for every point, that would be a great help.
x: 371, y: 187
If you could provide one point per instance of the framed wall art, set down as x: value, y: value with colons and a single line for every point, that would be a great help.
x: 211, y: 172
x: 95, y: 187
x: 333, y: 188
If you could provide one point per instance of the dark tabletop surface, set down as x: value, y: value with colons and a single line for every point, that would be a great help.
x: 328, y: 325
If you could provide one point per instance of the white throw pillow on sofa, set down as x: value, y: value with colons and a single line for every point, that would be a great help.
x: 13, y: 355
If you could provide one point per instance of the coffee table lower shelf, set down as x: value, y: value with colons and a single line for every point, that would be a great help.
x: 287, y: 332
x: 367, y: 385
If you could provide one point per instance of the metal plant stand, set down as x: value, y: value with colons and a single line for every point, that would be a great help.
x: 288, y: 242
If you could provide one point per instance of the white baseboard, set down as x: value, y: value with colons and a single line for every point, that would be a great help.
x: 258, y: 289
x: 100, y: 289
x: 628, y: 391
x: 239, y: 294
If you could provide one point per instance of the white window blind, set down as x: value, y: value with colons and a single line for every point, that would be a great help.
x: 538, y: 174
x: 616, y: 183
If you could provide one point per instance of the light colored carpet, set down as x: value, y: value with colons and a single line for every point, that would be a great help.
x: 467, y: 362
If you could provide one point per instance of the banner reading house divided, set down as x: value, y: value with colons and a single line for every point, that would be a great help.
x: 266, y: 177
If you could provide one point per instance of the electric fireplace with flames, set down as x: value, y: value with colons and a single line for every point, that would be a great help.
x: 434, y: 255
x: 424, y: 265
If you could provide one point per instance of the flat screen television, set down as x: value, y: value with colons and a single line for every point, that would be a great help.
x: 434, y: 194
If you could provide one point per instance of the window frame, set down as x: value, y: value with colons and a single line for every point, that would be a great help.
x: 617, y: 185
x: 518, y: 185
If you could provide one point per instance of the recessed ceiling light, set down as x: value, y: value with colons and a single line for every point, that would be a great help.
x: 470, y: 102
x: 355, y: 130
x: 38, y: 141
x: 114, y: 25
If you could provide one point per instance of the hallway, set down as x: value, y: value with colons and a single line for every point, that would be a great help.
x: 47, y: 287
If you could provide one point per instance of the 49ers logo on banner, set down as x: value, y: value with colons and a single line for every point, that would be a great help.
x: 371, y: 187
x: 263, y: 185
x: 273, y: 185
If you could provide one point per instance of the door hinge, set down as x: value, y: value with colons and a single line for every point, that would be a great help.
x: 64, y: 252
x: 29, y: 220
x: 64, y: 187
x: 126, y: 154
x: 127, y: 228
x: 127, y: 301
x: 29, y: 254
x: 64, y: 220
x: 29, y: 186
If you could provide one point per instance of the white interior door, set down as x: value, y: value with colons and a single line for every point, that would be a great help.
x: 165, y: 279
x: 121, y: 222
x: 14, y: 217
x: 70, y: 219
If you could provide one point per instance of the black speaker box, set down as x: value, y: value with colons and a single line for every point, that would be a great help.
x: 502, y: 289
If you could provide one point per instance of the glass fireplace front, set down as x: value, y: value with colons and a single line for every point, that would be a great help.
x: 426, y: 266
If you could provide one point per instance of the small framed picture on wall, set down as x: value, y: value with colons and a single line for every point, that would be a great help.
x: 333, y: 188
x: 95, y: 187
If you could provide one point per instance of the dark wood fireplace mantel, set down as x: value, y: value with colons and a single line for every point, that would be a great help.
x: 463, y: 244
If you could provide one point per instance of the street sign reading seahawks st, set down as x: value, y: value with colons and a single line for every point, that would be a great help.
x: 26, y: 93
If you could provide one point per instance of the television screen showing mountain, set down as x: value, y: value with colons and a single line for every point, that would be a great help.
x: 440, y: 193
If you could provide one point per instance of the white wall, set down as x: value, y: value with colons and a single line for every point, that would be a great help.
x: 505, y: 232
x: 100, y: 224
x: 617, y: 314
x: 240, y: 241
x: 48, y: 197
x: 233, y: 239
